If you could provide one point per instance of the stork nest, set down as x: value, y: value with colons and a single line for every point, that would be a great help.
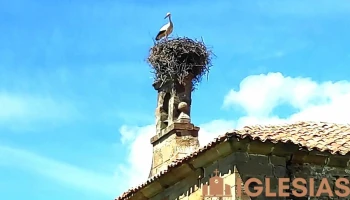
x: 177, y: 59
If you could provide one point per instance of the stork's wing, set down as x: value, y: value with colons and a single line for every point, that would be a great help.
x: 160, y: 34
x: 162, y: 31
x: 165, y: 27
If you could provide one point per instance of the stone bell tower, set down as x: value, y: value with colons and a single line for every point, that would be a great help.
x: 178, y: 65
x: 176, y: 136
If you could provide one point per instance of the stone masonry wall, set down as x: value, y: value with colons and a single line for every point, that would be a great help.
x: 162, y: 152
x: 248, y: 166
x: 317, y: 173
x: 171, y: 147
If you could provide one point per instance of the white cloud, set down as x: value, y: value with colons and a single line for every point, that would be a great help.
x: 212, y: 129
x: 258, y: 96
x: 21, y: 111
x: 69, y: 175
x: 138, y: 140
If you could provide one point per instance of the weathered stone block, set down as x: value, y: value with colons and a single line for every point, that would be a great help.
x: 255, y: 147
x: 256, y: 165
x: 253, y: 168
x: 157, y: 158
x: 168, y: 146
x: 284, y: 149
x: 224, y: 149
x: 278, y: 161
x: 259, y: 159
x: 338, y: 161
x: 241, y: 157
x: 203, y: 160
x: 316, y: 159
x: 225, y: 169
x: 339, y: 172
x: 241, y: 145
x: 152, y: 189
x: 279, y: 171
x: 298, y: 157
x: 228, y: 160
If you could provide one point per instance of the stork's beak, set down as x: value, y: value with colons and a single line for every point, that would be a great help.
x: 165, y: 17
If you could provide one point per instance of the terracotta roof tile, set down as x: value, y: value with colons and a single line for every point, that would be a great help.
x: 322, y: 136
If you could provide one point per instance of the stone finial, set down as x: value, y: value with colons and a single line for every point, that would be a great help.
x: 183, y: 117
x: 183, y: 107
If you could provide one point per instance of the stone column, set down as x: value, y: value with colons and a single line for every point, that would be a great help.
x: 176, y: 136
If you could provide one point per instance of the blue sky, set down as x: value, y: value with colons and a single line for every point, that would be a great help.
x: 76, y: 101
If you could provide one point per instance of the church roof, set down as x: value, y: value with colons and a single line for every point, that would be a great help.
x: 322, y: 136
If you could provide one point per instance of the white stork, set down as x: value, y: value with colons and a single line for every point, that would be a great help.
x: 166, y: 30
